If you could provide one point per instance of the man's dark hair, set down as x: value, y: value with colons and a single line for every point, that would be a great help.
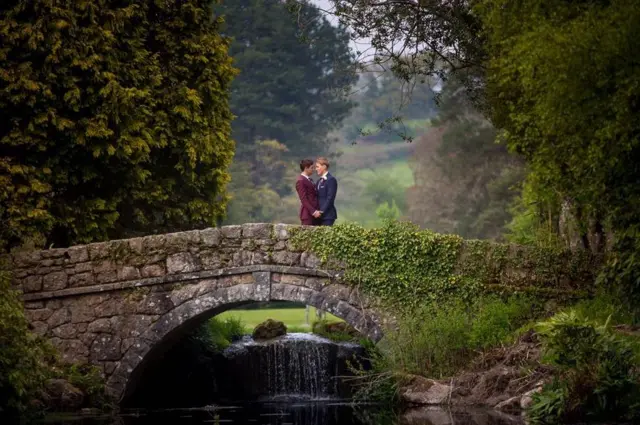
x: 305, y: 163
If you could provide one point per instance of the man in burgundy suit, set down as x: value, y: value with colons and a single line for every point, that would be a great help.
x: 308, y: 194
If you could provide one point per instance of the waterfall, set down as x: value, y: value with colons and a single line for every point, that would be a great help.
x: 292, y: 366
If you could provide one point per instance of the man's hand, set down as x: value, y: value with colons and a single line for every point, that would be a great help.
x: 317, y: 214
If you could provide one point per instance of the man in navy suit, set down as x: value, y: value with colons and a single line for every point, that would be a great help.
x: 327, y: 189
x: 308, y: 194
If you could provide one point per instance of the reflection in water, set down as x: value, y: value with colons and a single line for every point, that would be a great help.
x: 297, y: 414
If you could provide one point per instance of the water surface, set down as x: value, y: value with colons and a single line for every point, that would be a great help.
x: 303, y: 413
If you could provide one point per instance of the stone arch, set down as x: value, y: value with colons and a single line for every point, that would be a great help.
x: 206, y: 299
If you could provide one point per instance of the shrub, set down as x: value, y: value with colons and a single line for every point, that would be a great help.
x: 440, y: 339
x: 597, y: 375
x: 22, y: 353
x: 337, y: 331
x: 219, y: 334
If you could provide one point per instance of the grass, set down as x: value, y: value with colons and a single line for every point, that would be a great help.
x: 293, y: 318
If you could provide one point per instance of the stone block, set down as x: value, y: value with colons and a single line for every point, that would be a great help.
x: 153, y: 270
x: 257, y: 230
x: 310, y: 261
x: 316, y: 283
x: 210, y: 237
x: 262, y: 290
x: 32, y: 284
x: 39, y: 315
x: 337, y: 292
x: 53, y: 253
x: 54, y: 281
x: 77, y: 254
x: 265, y: 243
x: 104, y: 266
x: 59, y: 317
x: 80, y: 268
x: 34, y: 305
x: 102, y: 325
x: 236, y: 259
x: 40, y: 328
x: 210, y: 260
x: 182, y: 262
x: 27, y: 259
x: 82, y: 279
x: 180, y: 241
x: 185, y: 293
x: 82, y: 312
x: 71, y: 350
x: 153, y: 244
x: 106, y: 347
x: 128, y: 273
x: 98, y: 251
x: 66, y: 331
x: 283, y: 231
x: 260, y: 257
x: 107, y: 277
x: 231, y: 232
x: 285, y: 258
x: 136, y: 245
x: 291, y: 279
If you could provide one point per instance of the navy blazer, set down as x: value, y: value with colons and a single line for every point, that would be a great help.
x: 327, y: 190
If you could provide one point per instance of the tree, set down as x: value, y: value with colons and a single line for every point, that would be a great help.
x: 115, y: 118
x: 290, y: 88
x: 569, y: 105
x: 418, y: 39
x: 257, y: 184
x: 464, y: 180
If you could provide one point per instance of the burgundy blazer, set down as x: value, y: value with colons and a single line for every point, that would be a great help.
x: 308, y: 197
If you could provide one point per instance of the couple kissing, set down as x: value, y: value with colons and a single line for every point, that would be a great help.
x: 317, y: 199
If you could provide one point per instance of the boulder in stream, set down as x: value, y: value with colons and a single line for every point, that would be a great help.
x: 269, y: 329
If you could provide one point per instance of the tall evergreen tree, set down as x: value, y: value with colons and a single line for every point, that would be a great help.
x: 294, y: 69
x: 115, y: 118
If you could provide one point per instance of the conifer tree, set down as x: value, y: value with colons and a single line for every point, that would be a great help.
x: 115, y: 118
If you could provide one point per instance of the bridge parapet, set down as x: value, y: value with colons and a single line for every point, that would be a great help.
x: 154, y: 259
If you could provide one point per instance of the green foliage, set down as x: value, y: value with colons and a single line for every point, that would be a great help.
x: 295, y: 71
x: 441, y: 338
x: 22, y: 354
x: 387, y: 212
x: 335, y: 331
x: 370, y: 176
x: 260, y: 182
x: 388, y: 109
x: 622, y: 272
x: 597, y: 372
x: 533, y: 222
x: 404, y: 266
x: 432, y: 37
x: 563, y: 84
x: 115, y: 119
x: 464, y: 179
x: 88, y: 379
x: 219, y: 334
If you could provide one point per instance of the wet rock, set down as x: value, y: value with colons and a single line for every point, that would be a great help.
x: 269, y: 329
x: 60, y: 394
x: 512, y: 403
x: 527, y: 398
x: 425, y: 391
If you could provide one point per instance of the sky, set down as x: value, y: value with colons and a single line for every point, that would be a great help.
x: 357, y: 45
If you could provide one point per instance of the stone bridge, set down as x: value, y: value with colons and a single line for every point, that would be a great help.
x: 119, y: 304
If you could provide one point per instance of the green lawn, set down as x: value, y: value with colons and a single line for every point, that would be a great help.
x: 293, y: 318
